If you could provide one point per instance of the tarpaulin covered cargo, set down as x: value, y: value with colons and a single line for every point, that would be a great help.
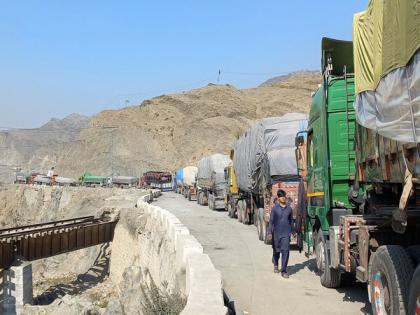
x: 208, y: 165
x: 65, y: 180
x: 386, y: 40
x: 179, y: 175
x: 125, y: 180
x: 189, y: 175
x: 218, y: 180
x: 267, y: 151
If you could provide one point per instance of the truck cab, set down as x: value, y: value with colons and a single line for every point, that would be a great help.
x: 231, y: 190
x: 330, y: 154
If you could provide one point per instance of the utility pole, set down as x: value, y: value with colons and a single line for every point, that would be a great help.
x: 218, y: 77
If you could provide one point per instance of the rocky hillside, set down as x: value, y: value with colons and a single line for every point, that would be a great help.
x: 37, y: 148
x: 279, y: 80
x: 170, y: 131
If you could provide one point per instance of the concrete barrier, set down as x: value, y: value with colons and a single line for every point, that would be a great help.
x: 203, y: 282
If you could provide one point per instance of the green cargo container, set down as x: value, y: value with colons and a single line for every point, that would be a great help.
x: 87, y: 179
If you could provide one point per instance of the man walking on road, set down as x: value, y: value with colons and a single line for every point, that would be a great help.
x: 280, y: 227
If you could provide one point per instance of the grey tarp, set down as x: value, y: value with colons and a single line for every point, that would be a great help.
x: 189, y: 175
x: 267, y: 150
x: 207, y: 165
x: 393, y: 109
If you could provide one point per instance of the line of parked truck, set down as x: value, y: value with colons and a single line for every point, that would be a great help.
x: 153, y: 179
x: 245, y: 182
x: 352, y: 174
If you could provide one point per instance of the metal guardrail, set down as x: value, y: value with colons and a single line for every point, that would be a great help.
x: 32, y: 242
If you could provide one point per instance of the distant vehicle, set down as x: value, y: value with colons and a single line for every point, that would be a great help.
x: 124, y: 181
x: 158, y: 180
x: 179, y: 174
x: 42, y: 179
x: 22, y: 178
x: 64, y: 181
x: 211, y: 183
x: 185, y: 182
x: 87, y: 179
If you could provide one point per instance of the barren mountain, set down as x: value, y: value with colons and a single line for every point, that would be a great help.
x: 171, y: 131
x: 162, y: 133
x: 38, y: 147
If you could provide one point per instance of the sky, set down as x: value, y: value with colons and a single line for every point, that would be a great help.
x: 63, y: 57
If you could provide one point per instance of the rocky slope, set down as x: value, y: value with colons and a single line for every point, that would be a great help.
x: 162, y: 133
x: 170, y: 131
x: 36, y: 149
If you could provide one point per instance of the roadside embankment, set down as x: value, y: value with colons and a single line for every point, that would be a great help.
x: 152, y: 266
x: 152, y: 246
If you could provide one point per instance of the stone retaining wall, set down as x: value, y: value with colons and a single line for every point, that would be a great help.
x: 200, y: 280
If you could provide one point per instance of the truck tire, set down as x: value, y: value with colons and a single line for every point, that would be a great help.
x: 265, y: 231
x: 263, y: 228
x: 414, y: 295
x: 390, y: 272
x: 245, y: 215
x: 230, y: 210
x: 414, y: 253
x: 189, y: 195
x: 210, y: 202
x: 239, y: 211
x: 330, y: 277
x: 260, y: 222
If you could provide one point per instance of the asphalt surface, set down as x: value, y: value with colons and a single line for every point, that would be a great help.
x: 247, y: 271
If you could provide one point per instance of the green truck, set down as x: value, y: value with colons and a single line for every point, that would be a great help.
x: 87, y: 179
x: 363, y: 195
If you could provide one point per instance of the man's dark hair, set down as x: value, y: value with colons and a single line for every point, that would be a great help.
x: 281, y: 193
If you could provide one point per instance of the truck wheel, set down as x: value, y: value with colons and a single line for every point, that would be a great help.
x: 330, y: 277
x: 414, y: 253
x: 414, y: 296
x: 210, y: 202
x: 239, y: 208
x: 258, y: 225
x: 263, y: 226
x: 259, y: 218
x: 245, y: 215
x: 189, y: 196
x: 390, y: 272
x: 231, y: 213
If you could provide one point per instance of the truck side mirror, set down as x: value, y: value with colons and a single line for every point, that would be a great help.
x: 300, y: 140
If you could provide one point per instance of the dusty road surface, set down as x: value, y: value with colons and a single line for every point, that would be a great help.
x: 245, y: 263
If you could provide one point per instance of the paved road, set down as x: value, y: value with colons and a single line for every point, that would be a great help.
x: 245, y: 263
